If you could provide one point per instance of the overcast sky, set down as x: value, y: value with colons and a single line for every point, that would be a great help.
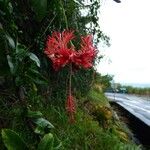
x: 128, y: 26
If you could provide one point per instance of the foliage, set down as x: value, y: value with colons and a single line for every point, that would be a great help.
x: 29, y: 82
x: 141, y: 91
x: 103, y: 80
x: 47, y: 143
x: 12, y: 140
x: 138, y: 90
x: 24, y: 28
x: 97, y: 96
x: 42, y: 125
x: 87, y: 132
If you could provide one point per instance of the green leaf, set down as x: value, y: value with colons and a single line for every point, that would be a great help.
x: 34, y: 114
x: 47, y: 142
x: 20, y: 48
x: 11, y: 41
x: 34, y: 58
x: 37, y: 80
x: 12, y: 140
x: 57, y: 143
x: 36, y: 77
x: 39, y: 130
x: 10, y: 63
x: 39, y: 7
x: 21, y: 52
x: 42, y: 124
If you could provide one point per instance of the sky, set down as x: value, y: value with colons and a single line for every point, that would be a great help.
x: 128, y: 26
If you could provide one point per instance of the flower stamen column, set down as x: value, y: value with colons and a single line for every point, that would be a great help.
x: 70, y: 104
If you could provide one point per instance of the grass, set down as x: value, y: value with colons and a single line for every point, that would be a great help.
x: 97, y: 97
x: 88, y: 133
x: 94, y: 129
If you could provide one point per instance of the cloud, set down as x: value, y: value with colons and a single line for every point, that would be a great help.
x: 128, y: 26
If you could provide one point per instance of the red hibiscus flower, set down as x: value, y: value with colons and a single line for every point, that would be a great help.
x: 61, y: 53
x: 85, y: 56
x: 58, y: 49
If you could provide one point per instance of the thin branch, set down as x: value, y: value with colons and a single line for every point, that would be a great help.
x: 48, y: 26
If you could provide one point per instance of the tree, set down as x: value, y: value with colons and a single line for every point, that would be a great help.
x: 104, y: 81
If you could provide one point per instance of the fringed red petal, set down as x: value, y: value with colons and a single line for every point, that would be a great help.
x: 85, y: 56
x: 58, y: 50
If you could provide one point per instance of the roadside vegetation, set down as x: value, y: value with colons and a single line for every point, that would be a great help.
x: 33, y: 94
x: 95, y: 126
x: 140, y: 91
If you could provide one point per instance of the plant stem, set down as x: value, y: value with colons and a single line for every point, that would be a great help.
x: 66, y: 22
x: 70, y: 79
x: 71, y: 114
x: 65, y: 17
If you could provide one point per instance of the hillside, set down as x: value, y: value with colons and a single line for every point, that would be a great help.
x: 50, y: 96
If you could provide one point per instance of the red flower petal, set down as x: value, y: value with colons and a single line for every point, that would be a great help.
x: 59, y: 51
x: 85, y: 56
x: 57, y: 48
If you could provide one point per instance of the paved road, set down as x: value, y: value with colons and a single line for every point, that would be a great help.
x: 138, y: 106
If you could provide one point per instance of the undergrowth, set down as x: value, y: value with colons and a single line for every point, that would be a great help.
x: 95, y: 127
x: 32, y: 93
x: 86, y: 133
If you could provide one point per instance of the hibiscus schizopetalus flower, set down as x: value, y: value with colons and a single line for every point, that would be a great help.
x: 58, y: 49
x: 85, y: 56
x: 61, y: 53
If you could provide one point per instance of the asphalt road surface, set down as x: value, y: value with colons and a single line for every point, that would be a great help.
x: 138, y: 106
